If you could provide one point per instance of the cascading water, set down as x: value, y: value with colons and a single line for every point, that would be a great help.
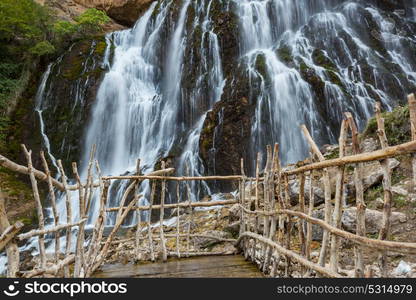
x: 141, y: 110
x: 166, y: 73
x: 303, y: 53
x: 297, y: 62
x: 38, y: 109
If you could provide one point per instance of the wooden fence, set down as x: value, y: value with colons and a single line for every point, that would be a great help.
x: 268, y: 222
x: 92, y: 249
x: 271, y: 220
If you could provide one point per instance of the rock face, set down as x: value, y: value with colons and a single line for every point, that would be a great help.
x: 226, y: 129
x: 67, y: 97
x: 125, y: 12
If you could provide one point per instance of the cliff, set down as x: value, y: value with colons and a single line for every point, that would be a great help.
x: 125, y: 12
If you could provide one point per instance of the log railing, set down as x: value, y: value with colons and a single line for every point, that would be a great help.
x: 149, y: 237
x: 272, y: 232
x: 289, y: 221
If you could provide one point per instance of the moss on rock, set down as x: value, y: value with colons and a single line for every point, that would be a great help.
x: 397, y: 126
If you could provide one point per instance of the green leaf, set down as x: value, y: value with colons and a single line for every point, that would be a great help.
x: 42, y: 48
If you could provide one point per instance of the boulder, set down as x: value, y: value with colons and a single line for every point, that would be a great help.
x: 372, y: 175
x: 399, y: 190
x: 373, y: 220
x: 319, y: 196
x: 234, y: 212
x: 233, y: 229
x: 317, y: 231
x: 205, y: 242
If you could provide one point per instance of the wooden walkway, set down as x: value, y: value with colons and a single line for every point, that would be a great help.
x: 229, y: 266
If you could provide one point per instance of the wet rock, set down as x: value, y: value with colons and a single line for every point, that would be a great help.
x: 69, y: 96
x: 373, y: 220
x: 372, y: 175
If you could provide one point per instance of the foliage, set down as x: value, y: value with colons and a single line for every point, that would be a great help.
x: 92, y: 20
x: 29, y: 31
x: 42, y: 48
x: 64, y: 28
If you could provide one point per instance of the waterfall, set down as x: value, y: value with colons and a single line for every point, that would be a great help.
x: 296, y: 62
x: 307, y: 59
x: 166, y: 73
x: 38, y: 108
x: 141, y: 111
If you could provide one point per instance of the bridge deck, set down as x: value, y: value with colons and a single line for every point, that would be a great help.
x: 234, y: 266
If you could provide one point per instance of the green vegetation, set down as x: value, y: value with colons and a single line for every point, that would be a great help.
x: 285, y: 54
x: 397, y: 126
x: 29, y: 33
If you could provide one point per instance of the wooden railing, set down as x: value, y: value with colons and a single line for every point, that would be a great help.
x: 269, y: 224
x: 274, y: 223
x: 87, y: 260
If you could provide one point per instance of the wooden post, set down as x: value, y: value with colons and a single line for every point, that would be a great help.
x: 412, y: 110
x: 359, y: 197
x: 385, y: 228
x: 281, y: 220
x: 138, y: 214
x: 301, y: 180
x: 68, y: 215
x: 12, y: 250
x: 272, y: 200
x: 266, y: 201
x: 79, y: 250
x: 256, y: 203
x: 149, y: 222
x: 309, y: 224
x: 243, y: 223
x: 191, y: 219
x: 178, y: 251
x: 162, y: 214
x: 339, y: 196
x: 89, y: 189
x: 39, y: 209
x: 289, y: 224
x: 327, y: 188
x: 53, y: 204
x: 99, y: 224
